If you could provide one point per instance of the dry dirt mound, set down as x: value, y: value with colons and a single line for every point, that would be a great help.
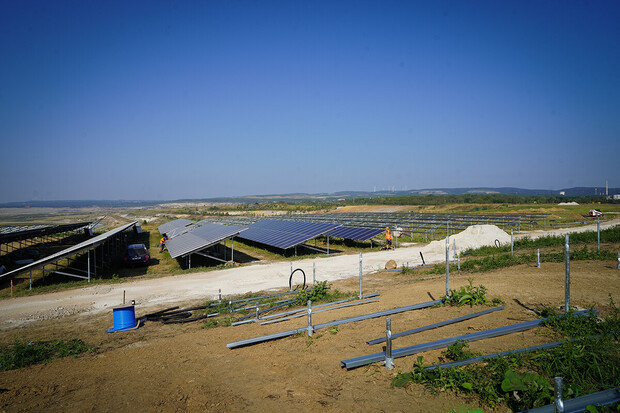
x: 475, y: 236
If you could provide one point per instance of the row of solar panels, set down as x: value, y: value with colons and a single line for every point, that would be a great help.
x: 21, y: 232
x: 186, y: 237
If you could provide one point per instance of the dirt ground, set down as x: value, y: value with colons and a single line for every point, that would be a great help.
x: 188, y: 368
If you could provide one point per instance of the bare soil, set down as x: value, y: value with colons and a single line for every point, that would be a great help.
x: 188, y: 368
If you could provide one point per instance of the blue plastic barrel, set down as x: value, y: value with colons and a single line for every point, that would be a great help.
x: 124, y: 318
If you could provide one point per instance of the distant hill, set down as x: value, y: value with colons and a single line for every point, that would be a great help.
x: 319, y: 197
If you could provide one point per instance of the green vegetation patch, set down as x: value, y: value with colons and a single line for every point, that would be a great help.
x: 589, y: 363
x: 320, y: 292
x: 468, y: 295
x: 22, y: 354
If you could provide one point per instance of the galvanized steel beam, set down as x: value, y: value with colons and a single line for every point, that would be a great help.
x: 283, y: 334
x: 433, y: 345
x: 436, y: 325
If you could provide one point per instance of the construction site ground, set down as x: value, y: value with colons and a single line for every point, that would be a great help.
x: 186, y: 367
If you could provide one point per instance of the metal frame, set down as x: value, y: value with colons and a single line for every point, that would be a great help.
x: 433, y: 345
x: 86, y: 246
x: 436, y: 325
x: 283, y: 334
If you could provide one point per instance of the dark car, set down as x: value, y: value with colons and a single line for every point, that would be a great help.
x: 136, y: 254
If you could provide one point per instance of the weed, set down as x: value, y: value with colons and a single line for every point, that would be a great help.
x: 22, y: 354
x: 458, y: 350
x: 405, y: 269
x: 468, y: 295
x: 319, y: 292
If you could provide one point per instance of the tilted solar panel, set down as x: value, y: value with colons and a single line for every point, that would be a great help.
x: 200, y: 238
x: 355, y: 233
x: 173, y: 225
x: 285, y: 234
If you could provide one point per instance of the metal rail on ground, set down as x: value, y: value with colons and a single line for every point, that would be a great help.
x: 436, y: 325
x: 372, y: 300
x: 579, y: 404
x: 283, y: 334
x: 433, y: 345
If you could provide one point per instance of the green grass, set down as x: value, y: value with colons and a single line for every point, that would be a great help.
x: 503, y: 260
x: 22, y: 354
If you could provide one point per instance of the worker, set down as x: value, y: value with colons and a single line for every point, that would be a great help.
x: 388, y: 238
x: 162, y: 243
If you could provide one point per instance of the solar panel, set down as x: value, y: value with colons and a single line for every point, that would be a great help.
x: 285, y: 234
x: 200, y: 238
x: 355, y: 233
x: 171, y: 227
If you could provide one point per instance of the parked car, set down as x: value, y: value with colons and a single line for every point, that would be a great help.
x: 595, y: 213
x: 136, y: 254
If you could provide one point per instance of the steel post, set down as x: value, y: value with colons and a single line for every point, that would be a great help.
x: 360, y: 295
x: 389, y: 360
x: 511, y: 244
x: 598, y: 234
x: 538, y: 258
x: 447, y: 267
x: 88, y: 253
x: 313, y: 273
x: 309, y: 329
x: 567, y: 279
x: 454, y: 250
x: 30, y: 288
x: 458, y: 262
x: 558, y: 403
x: 618, y: 266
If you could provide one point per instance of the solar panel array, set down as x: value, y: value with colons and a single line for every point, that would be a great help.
x: 200, y: 238
x: 355, y: 233
x: 172, y: 227
x: 433, y: 224
x: 14, y: 233
x: 285, y: 234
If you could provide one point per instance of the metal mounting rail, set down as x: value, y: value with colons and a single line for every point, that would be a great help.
x: 503, y: 353
x: 300, y: 310
x: 436, y: 325
x: 579, y: 404
x: 283, y: 334
x: 474, y: 360
x: 372, y: 300
x: 433, y: 345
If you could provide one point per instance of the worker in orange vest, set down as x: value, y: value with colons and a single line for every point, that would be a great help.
x: 162, y: 243
x: 388, y: 238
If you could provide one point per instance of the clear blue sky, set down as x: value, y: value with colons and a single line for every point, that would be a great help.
x: 180, y: 99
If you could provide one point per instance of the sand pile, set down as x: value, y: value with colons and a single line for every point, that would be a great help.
x: 567, y: 203
x: 475, y: 236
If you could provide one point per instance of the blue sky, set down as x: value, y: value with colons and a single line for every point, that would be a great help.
x: 167, y: 100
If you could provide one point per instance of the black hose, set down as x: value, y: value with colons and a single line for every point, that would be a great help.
x: 290, y: 280
x: 187, y: 320
x: 422, y: 256
x: 160, y: 312
x: 497, y: 243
